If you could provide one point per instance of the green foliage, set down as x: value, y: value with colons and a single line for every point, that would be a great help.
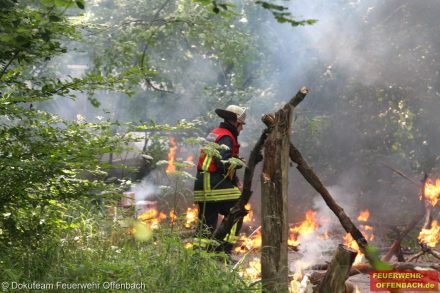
x: 235, y: 163
x: 279, y: 12
x: 32, y: 32
x: 46, y: 162
x: 101, y: 250
x: 162, y: 44
x: 180, y: 125
x: 373, y: 255
x: 282, y: 15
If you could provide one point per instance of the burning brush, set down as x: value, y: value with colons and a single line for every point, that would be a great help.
x: 429, y: 235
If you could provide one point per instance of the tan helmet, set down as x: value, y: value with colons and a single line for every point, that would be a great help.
x: 233, y: 112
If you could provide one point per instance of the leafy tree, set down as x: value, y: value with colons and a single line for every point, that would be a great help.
x: 45, y: 162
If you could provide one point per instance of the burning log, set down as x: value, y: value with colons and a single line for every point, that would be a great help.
x: 311, y: 177
x: 274, y: 181
x: 338, y: 271
x: 239, y: 211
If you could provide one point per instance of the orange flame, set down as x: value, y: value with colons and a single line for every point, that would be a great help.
x: 173, y: 216
x: 189, y: 159
x: 356, y: 289
x: 351, y: 243
x: 171, y: 157
x: 324, y: 236
x: 430, y: 236
x: 432, y: 191
x: 191, y: 217
x: 152, y: 218
x: 308, y: 226
x: 250, y: 216
x: 247, y: 243
x: 364, y: 215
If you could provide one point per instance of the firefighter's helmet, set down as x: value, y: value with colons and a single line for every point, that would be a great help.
x: 233, y: 113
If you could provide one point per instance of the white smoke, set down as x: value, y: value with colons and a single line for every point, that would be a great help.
x: 145, y: 190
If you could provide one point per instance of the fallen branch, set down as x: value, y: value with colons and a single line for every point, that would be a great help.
x: 396, y: 244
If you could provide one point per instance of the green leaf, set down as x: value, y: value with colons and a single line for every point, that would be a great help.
x: 80, y: 4
x: 54, y: 18
x: 94, y: 101
x: 46, y: 36
x: 63, y: 3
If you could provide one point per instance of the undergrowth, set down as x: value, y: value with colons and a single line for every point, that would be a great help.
x: 104, y: 250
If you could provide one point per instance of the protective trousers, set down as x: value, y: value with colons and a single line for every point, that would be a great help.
x: 208, y: 218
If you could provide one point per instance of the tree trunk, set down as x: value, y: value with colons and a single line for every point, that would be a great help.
x: 337, y: 273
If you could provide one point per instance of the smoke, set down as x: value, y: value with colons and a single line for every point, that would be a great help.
x: 145, y: 190
x: 372, y: 67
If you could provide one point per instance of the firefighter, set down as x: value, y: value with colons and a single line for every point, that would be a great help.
x: 217, y: 188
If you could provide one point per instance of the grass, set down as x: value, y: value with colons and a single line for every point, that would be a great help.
x: 100, y: 251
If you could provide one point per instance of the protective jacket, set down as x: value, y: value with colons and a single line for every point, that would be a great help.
x: 216, y: 181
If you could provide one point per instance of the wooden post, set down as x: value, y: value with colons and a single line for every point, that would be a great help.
x: 274, y: 184
x: 338, y: 270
